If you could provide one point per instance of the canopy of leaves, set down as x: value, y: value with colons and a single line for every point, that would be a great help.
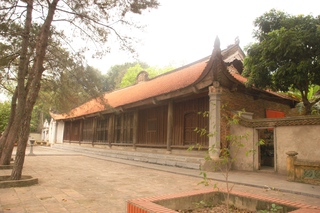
x: 116, y: 73
x: 130, y: 76
x: 287, y: 53
x: 4, y: 115
x: 66, y: 83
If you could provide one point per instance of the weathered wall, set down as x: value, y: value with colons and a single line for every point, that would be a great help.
x: 304, y: 139
x: 239, y: 101
x: 246, y: 156
x: 60, y: 132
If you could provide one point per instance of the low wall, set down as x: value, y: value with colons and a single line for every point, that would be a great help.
x: 186, y: 200
x: 36, y: 136
x: 300, y: 170
x: 299, y: 134
x: 303, y: 139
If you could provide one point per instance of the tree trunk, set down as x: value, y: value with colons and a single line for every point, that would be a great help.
x: 30, y: 91
x: 11, y: 139
x: 307, y: 106
x: 19, y: 161
x: 4, y: 136
x: 13, y: 131
x: 21, y: 148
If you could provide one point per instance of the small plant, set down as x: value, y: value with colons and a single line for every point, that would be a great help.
x: 228, y: 153
x: 203, y: 204
x: 274, y: 208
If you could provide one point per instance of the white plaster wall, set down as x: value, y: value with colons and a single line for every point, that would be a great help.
x: 60, y: 131
x: 303, y: 139
x: 246, y: 156
x: 52, y: 131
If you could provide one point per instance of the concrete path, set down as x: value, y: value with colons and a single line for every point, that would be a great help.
x: 75, y: 182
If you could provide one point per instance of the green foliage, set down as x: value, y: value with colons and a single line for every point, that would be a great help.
x: 4, y: 115
x: 274, y: 208
x: 116, y: 73
x: 313, y: 95
x: 130, y: 76
x: 286, y: 55
x: 71, y: 88
x: 35, y: 124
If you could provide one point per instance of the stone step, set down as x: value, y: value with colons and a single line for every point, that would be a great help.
x: 146, y: 157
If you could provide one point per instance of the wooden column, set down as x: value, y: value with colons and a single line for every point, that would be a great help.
x: 214, y: 120
x: 135, y: 129
x: 111, y: 130
x: 71, y: 126
x: 81, y: 131
x: 122, y: 128
x: 94, y: 130
x: 170, y: 126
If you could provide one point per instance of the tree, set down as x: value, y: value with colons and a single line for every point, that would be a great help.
x: 115, y: 74
x: 313, y: 94
x: 71, y: 88
x: 91, y: 19
x: 4, y: 115
x: 81, y: 84
x: 65, y: 82
x: 130, y: 76
x: 286, y: 55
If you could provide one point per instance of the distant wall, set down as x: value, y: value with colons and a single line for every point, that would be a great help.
x: 36, y: 136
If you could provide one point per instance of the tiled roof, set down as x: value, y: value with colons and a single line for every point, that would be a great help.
x: 163, y: 84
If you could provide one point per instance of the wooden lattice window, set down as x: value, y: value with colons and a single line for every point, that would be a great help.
x: 102, y: 130
x: 88, y: 129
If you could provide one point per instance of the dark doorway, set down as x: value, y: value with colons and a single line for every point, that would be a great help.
x: 266, y: 150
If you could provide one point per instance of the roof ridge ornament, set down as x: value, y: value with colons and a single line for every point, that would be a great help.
x: 216, y: 43
x: 142, y: 76
x: 237, y: 40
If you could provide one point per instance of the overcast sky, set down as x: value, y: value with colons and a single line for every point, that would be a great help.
x: 182, y: 31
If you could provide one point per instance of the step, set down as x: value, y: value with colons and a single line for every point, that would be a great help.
x: 146, y: 157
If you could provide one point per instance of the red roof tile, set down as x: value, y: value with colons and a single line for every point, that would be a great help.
x: 163, y: 84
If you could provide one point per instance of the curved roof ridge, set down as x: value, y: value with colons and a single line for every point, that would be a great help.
x: 174, y: 80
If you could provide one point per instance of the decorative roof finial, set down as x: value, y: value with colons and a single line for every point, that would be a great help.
x: 217, y: 43
x: 237, y: 40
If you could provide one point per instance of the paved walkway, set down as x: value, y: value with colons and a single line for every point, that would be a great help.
x: 75, y: 182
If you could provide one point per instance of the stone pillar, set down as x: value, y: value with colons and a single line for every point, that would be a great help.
x: 291, y: 158
x: 214, y: 120
x: 169, y: 126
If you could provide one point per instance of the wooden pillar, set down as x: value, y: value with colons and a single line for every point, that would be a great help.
x: 94, y: 129
x: 214, y: 120
x: 135, y: 129
x: 81, y: 131
x: 71, y: 128
x: 122, y: 128
x: 170, y: 126
x: 111, y: 130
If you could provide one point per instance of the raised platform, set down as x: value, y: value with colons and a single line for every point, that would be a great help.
x: 148, y: 156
